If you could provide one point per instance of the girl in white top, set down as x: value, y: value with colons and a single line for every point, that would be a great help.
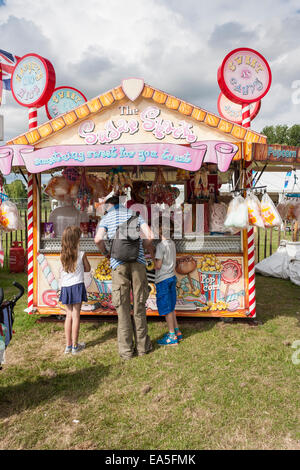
x: 73, y: 292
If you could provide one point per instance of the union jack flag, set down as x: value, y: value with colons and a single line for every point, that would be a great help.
x: 7, y: 64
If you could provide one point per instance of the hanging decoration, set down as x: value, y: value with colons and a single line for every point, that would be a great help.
x: 119, y: 180
x: 160, y: 192
x: 84, y: 196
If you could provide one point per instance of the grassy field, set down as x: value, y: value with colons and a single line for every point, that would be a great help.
x: 226, y: 386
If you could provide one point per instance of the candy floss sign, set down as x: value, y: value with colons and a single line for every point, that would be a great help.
x: 244, y: 76
x: 151, y: 121
x: 178, y: 156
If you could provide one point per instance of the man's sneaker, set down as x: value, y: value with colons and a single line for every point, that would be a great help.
x: 77, y: 349
x: 168, y: 339
x: 178, y: 334
x: 68, y: 350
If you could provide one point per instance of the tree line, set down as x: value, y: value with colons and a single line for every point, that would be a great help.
x: 283, y: 134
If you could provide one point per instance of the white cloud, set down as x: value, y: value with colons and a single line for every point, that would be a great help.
x: 175, y: 46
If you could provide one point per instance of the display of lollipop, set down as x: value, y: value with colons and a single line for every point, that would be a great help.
x: 46, y: 270
x: 230, y: 274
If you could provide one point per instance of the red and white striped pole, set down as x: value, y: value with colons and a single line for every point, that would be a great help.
x: 32, y: 124
x: 246, y: 121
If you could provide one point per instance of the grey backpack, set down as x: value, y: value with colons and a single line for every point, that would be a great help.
x: 126, y: 242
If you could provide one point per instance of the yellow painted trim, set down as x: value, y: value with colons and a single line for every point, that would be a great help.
x: 94, y: 105
x: 57, y: 124
x: 185, y: 108
x: 118, y: 93
x: 45, y: 130
x: 158, y: 96
x: 107, y: 99
x: 33, y: 136
x: 70, y: 118
x: 147, y: 92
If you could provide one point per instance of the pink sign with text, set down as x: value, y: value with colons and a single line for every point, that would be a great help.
x: 178, y: 156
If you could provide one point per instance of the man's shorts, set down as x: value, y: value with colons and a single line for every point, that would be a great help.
x: 166, y: 295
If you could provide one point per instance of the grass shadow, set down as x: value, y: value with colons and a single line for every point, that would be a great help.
x: 72, y: 386
x: 188, y: 327
x: 107, y: 335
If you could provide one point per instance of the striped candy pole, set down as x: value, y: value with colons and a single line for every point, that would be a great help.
x: 32, y: 124
x: 32, y: 115
x: 250, y: 233
x: 30, y: 242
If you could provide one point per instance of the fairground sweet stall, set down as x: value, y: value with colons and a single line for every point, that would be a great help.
x: 155, y: 149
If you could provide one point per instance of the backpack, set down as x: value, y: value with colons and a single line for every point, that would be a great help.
x: 126, y: 242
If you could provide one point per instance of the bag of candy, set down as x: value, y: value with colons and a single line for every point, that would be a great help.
x: 237, y: 214
x: 9, y: 217
x: 254, y: 211
x: 58, y: 188
x: 217, y: 217
x: 269, y: 212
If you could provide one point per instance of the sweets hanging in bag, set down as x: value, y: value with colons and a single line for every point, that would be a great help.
x: 269, y: 212
x: 9, y: 217
x: 217, y: 217
x: 237, y: 214
x: 254, y: 211
x: 58, y: 188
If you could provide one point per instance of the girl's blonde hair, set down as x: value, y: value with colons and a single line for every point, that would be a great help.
x: 69, y: 248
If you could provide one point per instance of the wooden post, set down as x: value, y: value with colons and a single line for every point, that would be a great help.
x: 258, y: 244
x: 266, y: 242
x: 295, y: 231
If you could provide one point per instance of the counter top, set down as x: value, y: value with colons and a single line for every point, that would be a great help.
x: 189, y: 244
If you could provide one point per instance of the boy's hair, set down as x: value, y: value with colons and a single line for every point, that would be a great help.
x: 114, y: 200
x: 164, y: 224
x: 69, y: 248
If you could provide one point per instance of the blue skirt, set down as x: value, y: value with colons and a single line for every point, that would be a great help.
x: 73, y: 294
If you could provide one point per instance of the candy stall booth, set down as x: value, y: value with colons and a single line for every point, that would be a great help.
x: 154, y: 149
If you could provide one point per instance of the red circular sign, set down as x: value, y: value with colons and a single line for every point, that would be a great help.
x: 233, y: 111
x: 32, y: 81
x: 244, y: 76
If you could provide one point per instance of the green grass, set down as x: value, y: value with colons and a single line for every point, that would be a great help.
x: 226, y: 386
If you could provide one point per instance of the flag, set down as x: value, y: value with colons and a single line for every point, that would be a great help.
x: 7, y: 64
x: 287, y: 178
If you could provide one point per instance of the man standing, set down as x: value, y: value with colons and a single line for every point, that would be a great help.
x: 126, y: 276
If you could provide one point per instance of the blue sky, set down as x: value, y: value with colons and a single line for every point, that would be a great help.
x: 175, y: 46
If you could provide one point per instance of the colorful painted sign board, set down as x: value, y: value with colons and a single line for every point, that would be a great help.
x: 151, y: 121
x: 276, y: 153
x: 178, y: 156
x: 215, y: 285
x: 63, y: 100
x: 233, y: 111
x: 244, y: 76
x: 33, y: 81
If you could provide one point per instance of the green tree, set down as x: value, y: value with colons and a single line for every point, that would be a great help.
x: 282, y: 134
x: 294, y: 135
x: 16, y: 190
x: 277, y: 134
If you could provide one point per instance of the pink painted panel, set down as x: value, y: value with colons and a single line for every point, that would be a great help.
x: 178, y: 156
